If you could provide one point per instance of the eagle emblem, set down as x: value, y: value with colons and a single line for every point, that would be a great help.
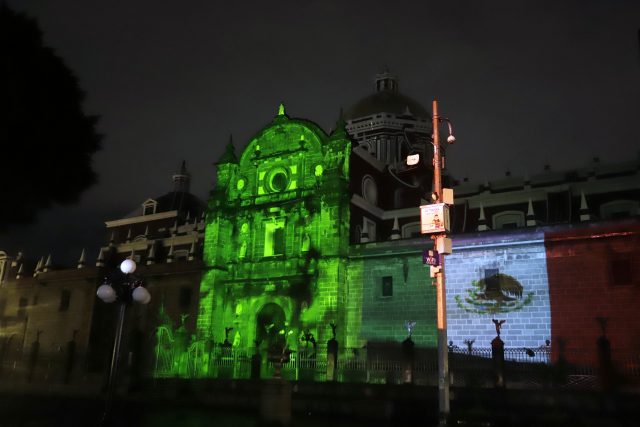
x: 500, y: 287
x: 496, y: 293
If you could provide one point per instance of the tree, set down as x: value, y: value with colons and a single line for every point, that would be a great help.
x: 47, y: 141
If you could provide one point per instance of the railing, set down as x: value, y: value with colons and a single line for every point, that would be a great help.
x: 524, y: 368
x: 523, y: 355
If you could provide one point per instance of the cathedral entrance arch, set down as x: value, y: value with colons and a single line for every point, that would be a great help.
x: 270, y: 327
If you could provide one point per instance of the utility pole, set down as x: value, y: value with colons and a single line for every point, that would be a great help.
x: 441, y: 295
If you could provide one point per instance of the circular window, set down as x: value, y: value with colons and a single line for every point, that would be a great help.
x: 278, y: 180
x: 240, y: 184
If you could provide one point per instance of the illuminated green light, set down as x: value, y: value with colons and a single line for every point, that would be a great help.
x: 274, y: 238
x: 290, y: 249
x: 276, y: 250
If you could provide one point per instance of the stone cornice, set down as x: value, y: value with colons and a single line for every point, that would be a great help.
x: 141, y: 218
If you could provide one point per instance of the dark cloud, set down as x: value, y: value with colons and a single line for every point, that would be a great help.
x: 524, y: 82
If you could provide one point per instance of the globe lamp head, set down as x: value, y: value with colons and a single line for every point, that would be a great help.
x: 106, y: 293
x: 128, y: 266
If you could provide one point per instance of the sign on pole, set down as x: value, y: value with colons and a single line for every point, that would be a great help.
x: 430, y: 257
x: 434, y: 218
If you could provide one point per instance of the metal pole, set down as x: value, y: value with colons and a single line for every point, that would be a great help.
x: 441, y: 296
x: 115, y: 358
x: 437, y: 180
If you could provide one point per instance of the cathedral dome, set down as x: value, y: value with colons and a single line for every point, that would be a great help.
x: 387, y: 99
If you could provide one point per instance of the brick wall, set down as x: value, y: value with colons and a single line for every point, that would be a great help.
x: 583, y: 286
x: 412, y: 295
x: 520, y: 255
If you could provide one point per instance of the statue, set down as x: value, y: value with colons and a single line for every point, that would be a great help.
x: 409, y: 325
x: 183, y: 317
x: 308, y: 337
x: 226, y: 342
x: 469, y: 343
x: 498, y: 324
x: 333, y: 329
x: 332, y: 355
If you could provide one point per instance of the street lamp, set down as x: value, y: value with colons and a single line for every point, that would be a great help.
x: 443, y: 245
x: 122, y: 287
x: 434, y: 220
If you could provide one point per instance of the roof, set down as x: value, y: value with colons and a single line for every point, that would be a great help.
x: 280, y: 125
x: 386, y: 101
x: 180, y: 201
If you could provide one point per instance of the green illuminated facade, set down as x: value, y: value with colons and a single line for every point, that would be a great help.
x: 281, y: 264
x: 277, y: 238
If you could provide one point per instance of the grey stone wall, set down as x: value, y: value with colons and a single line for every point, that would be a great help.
x: 521, y: 256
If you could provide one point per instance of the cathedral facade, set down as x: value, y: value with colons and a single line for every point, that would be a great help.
x: 277, y: 237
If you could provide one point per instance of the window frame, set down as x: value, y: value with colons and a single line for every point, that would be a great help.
x: 149, y: 203
x: 65, y: 300
x: 386, y: 286
x: 499, y: 219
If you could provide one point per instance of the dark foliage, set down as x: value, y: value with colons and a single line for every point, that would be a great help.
x: 47, y: 141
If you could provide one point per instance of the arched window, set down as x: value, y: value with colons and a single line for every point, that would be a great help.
x: 274, y: 239
x: 371, y: 229
x: 508, y: 219
x: 410, y: 230
x: 369, y: 190
x: 149, y: 207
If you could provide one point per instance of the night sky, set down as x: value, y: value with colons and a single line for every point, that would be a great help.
x: 524, y: 82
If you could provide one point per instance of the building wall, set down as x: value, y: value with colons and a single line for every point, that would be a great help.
x: 585, y: 285
x: 283, y: 245
x: 520, y: 255
x: 33, y: 311
x: 412, y: 297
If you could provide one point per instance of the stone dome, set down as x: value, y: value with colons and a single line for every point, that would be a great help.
x: 387, y: 99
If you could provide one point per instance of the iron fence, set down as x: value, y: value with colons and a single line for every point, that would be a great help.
x: 523, y: 368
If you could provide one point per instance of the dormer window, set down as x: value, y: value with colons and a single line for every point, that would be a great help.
x: 149, y: 207
x: 508, y: 219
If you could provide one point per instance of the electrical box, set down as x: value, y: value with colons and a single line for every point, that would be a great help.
x: 433, y: 270
x: 444, y: 245
x: 447, y: 196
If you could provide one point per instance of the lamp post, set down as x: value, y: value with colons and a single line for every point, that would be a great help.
x: 123, y: 287
x: 441, y: 295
